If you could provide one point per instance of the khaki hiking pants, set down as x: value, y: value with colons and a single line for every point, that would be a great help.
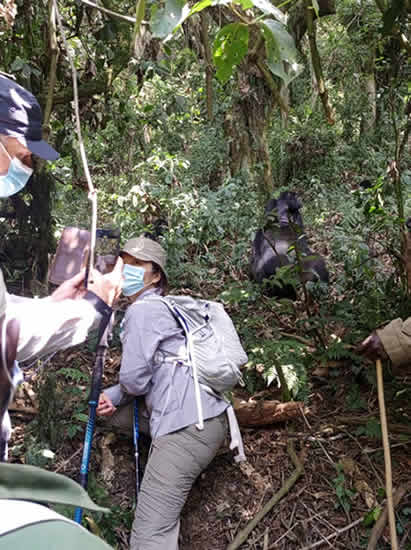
x: 174, y: 463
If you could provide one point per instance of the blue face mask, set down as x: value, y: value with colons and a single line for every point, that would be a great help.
x: 16, y: 178
x: 133, y: 279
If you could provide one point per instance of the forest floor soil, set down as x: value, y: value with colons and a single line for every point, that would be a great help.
x: 339, y: 446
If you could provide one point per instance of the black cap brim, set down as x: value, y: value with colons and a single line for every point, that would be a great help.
x: 42, y: 149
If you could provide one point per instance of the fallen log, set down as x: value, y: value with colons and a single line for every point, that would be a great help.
x: 254, y: 413
x: 23, y: 410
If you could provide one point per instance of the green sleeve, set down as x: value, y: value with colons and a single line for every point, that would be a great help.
x: 20, y: 482
x: 52, y: 535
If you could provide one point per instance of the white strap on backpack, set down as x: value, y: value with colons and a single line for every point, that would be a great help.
x: 235, y: 434
x: 200, y: 424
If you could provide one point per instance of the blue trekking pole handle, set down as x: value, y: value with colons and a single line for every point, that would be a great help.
x: 136, y: 436
x: 95, y: 391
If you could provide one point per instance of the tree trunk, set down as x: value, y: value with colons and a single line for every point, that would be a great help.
x: 246, y: 128
x: 316, y: 63
x: 369, y: 124
x: 235, y: 128
x: 369, y: 116
x: 27, y: 248
x: 208, y: 63
x: 407, y: 259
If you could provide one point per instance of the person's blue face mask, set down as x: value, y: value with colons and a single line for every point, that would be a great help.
x: 133, y: 280
x: 16, y: 178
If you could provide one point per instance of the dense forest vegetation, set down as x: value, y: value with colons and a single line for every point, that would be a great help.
x: 194, y: 115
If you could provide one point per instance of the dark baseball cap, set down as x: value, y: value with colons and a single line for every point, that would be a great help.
x: 21, y: 117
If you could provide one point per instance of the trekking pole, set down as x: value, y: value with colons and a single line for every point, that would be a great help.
x: 387, y: 456
x: 95, y: 390
x: 136, y: 436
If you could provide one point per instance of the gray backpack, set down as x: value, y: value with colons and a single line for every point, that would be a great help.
x: 214, y: 350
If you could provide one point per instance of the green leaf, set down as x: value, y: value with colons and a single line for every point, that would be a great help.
x: 372, y: 516
x: 266, y: 7
x: 230, y: 47
x: 279, y: 41
x: 316, y: 7
x: 81, y: 417
x: 17, y: 64
x: 245, y: 4
x: 281, y: 52
x: 373, y: 428
x: 381, y: 492
x: 165, y: 21
x: 199, y: 6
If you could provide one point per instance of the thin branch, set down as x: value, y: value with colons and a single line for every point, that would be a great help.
x: 316, y: 62
x: 109, y: 12
x: 92, y: 192
x: 209, y: 63
x: 52, y: 71
x: 87, y: 90
x: 299, y: 468
x: 23, y: 410
x: 272, y: 85
x: 333, y: 535
x: 243, y: 18
x: 379, y: 526
x: 405, y: 136
x: 405, y: 43
x: 65, y: 462
x: 318, y: 441
x: 297, y: 338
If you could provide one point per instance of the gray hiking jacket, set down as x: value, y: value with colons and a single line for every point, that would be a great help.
x: 151, y: 338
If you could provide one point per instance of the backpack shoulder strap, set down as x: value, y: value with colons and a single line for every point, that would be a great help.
x: 173, y: 307
x: 168, y: 302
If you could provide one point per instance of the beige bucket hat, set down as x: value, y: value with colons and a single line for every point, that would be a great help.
x: 143, y: 248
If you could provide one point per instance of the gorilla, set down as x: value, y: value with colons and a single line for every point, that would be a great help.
x: 275, y: 246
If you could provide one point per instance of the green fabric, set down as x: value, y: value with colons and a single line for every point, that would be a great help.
x: 31, y: 483
x: 52, y: 535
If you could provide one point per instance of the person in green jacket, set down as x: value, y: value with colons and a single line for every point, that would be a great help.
x: 28, y: 525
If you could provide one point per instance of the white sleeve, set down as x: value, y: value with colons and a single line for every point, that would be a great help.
x: 47, y: 326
